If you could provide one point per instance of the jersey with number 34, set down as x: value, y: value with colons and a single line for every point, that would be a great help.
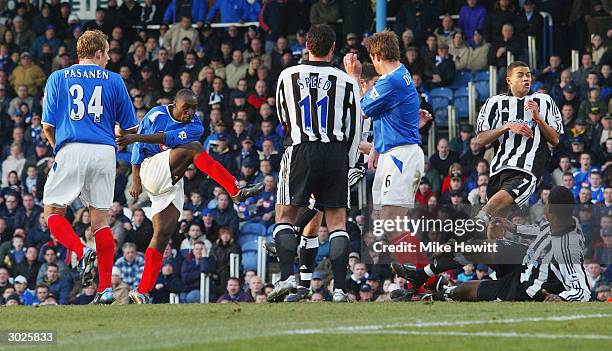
x: 84, y: 102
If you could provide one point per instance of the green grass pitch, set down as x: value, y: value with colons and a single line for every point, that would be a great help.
x: 311, y: 326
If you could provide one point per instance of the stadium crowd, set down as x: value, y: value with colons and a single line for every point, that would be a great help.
x: 233, y: 70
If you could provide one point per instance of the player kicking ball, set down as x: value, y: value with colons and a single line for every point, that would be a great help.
x: 81, y: 106
x: 166, y: 145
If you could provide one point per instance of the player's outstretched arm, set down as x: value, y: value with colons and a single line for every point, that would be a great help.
x: 157, y: 138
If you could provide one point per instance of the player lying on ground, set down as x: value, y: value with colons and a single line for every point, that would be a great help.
x: 81, y: 106
x: 159, y: 162
x: 521, y: 125
x: 552, y: 269
x: 393, y: 103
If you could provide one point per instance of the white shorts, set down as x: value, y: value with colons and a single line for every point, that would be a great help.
x: 397, y: 177
x: 85, y: 169
x: 157, y: 182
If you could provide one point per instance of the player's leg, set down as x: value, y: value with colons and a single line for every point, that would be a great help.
x: 65, y: 181
x: 97, y: 193
x: 308, y: 249
x: 339, y: 249
x: 165, y: 223
x: 507, y: 188
x: 286, y: 249
x: 184, y: 155
x: 467, y: 291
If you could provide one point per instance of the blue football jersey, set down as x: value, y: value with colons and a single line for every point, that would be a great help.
x: 159, y: 120
x: 84, y: 102
x: 393, y: 104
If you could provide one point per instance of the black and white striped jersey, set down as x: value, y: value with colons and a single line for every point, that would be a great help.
x: 317, y: 102
x: 555, y: 256
x: 513, y: 150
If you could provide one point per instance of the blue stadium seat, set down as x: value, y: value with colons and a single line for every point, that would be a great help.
x: 441, y: 116
x: 481, y: 76
x: 249, y: 260
x: 461, y: 92
x: 462, y: 78
x: 244, y: 238
x: 461, y: 104
x: 250, y: 245
x: 482, y: 88
x: 253, y: 228
x: 442, y: 92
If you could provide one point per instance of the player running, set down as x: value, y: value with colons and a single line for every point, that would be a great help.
x: 82, y: 104
x: 393, y: 103
x: 552, y: 269
x: 166, y: 145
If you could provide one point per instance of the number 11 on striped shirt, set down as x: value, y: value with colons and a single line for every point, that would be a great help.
x: 321, y: 104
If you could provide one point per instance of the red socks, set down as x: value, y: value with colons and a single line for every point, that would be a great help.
x: 63, y: 232
x: 153, y: 264
x: 216, y: 171
x: 105, y: 250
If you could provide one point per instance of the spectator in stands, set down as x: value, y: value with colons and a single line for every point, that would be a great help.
x: 27, y: 73
x: 23, y: 36
x: 152, y: 13
x: 446, y: 31
x: 231, y: 11
x: 49, y: 38
x: 503, y: 12
x: 194, y: 235
x: 582, y: 175
x: 236, y: 70
x: 422, y: 196
x: 418, y: 16
x: 167, y: 282
x: 141, y: 232
x: 357, y: 279
x: 13, y: 163
x: 459, y: 51
x: 131, y: 265
x: 443, y: 158
x: 174, y: 37
x: 325, y: 11
x: 414, y: 64
x: 441, y: 71
x: 190, y: 273
x: 26, y: 297
x: 498, y: 53
x: 120, y: 289
x: 193, y: 9
x: 41, y: 293
x: 587, y: 66
x: 593, y: 108
x: 221, y: 251
x: 11, y: 211
x: 259, y: 97
x: 233, y: 293
x: 86, y: 296
x: 29, y: 267
x: 472, y: 17
x: 461, y: 145
x: 472, y: 158
x: 597, y: 48
x: 529, y: 23
x: 255, y: 287
x: 356, y: 15
x: 564, y: 166
x: 99, y: 22
x: 570, y: 96
x: 551, y: 74
x: 59, y: 286
x: 130, y: 12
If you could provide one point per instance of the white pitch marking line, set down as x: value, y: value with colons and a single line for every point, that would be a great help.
x: 419, y: 324
x: 487, y: 334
